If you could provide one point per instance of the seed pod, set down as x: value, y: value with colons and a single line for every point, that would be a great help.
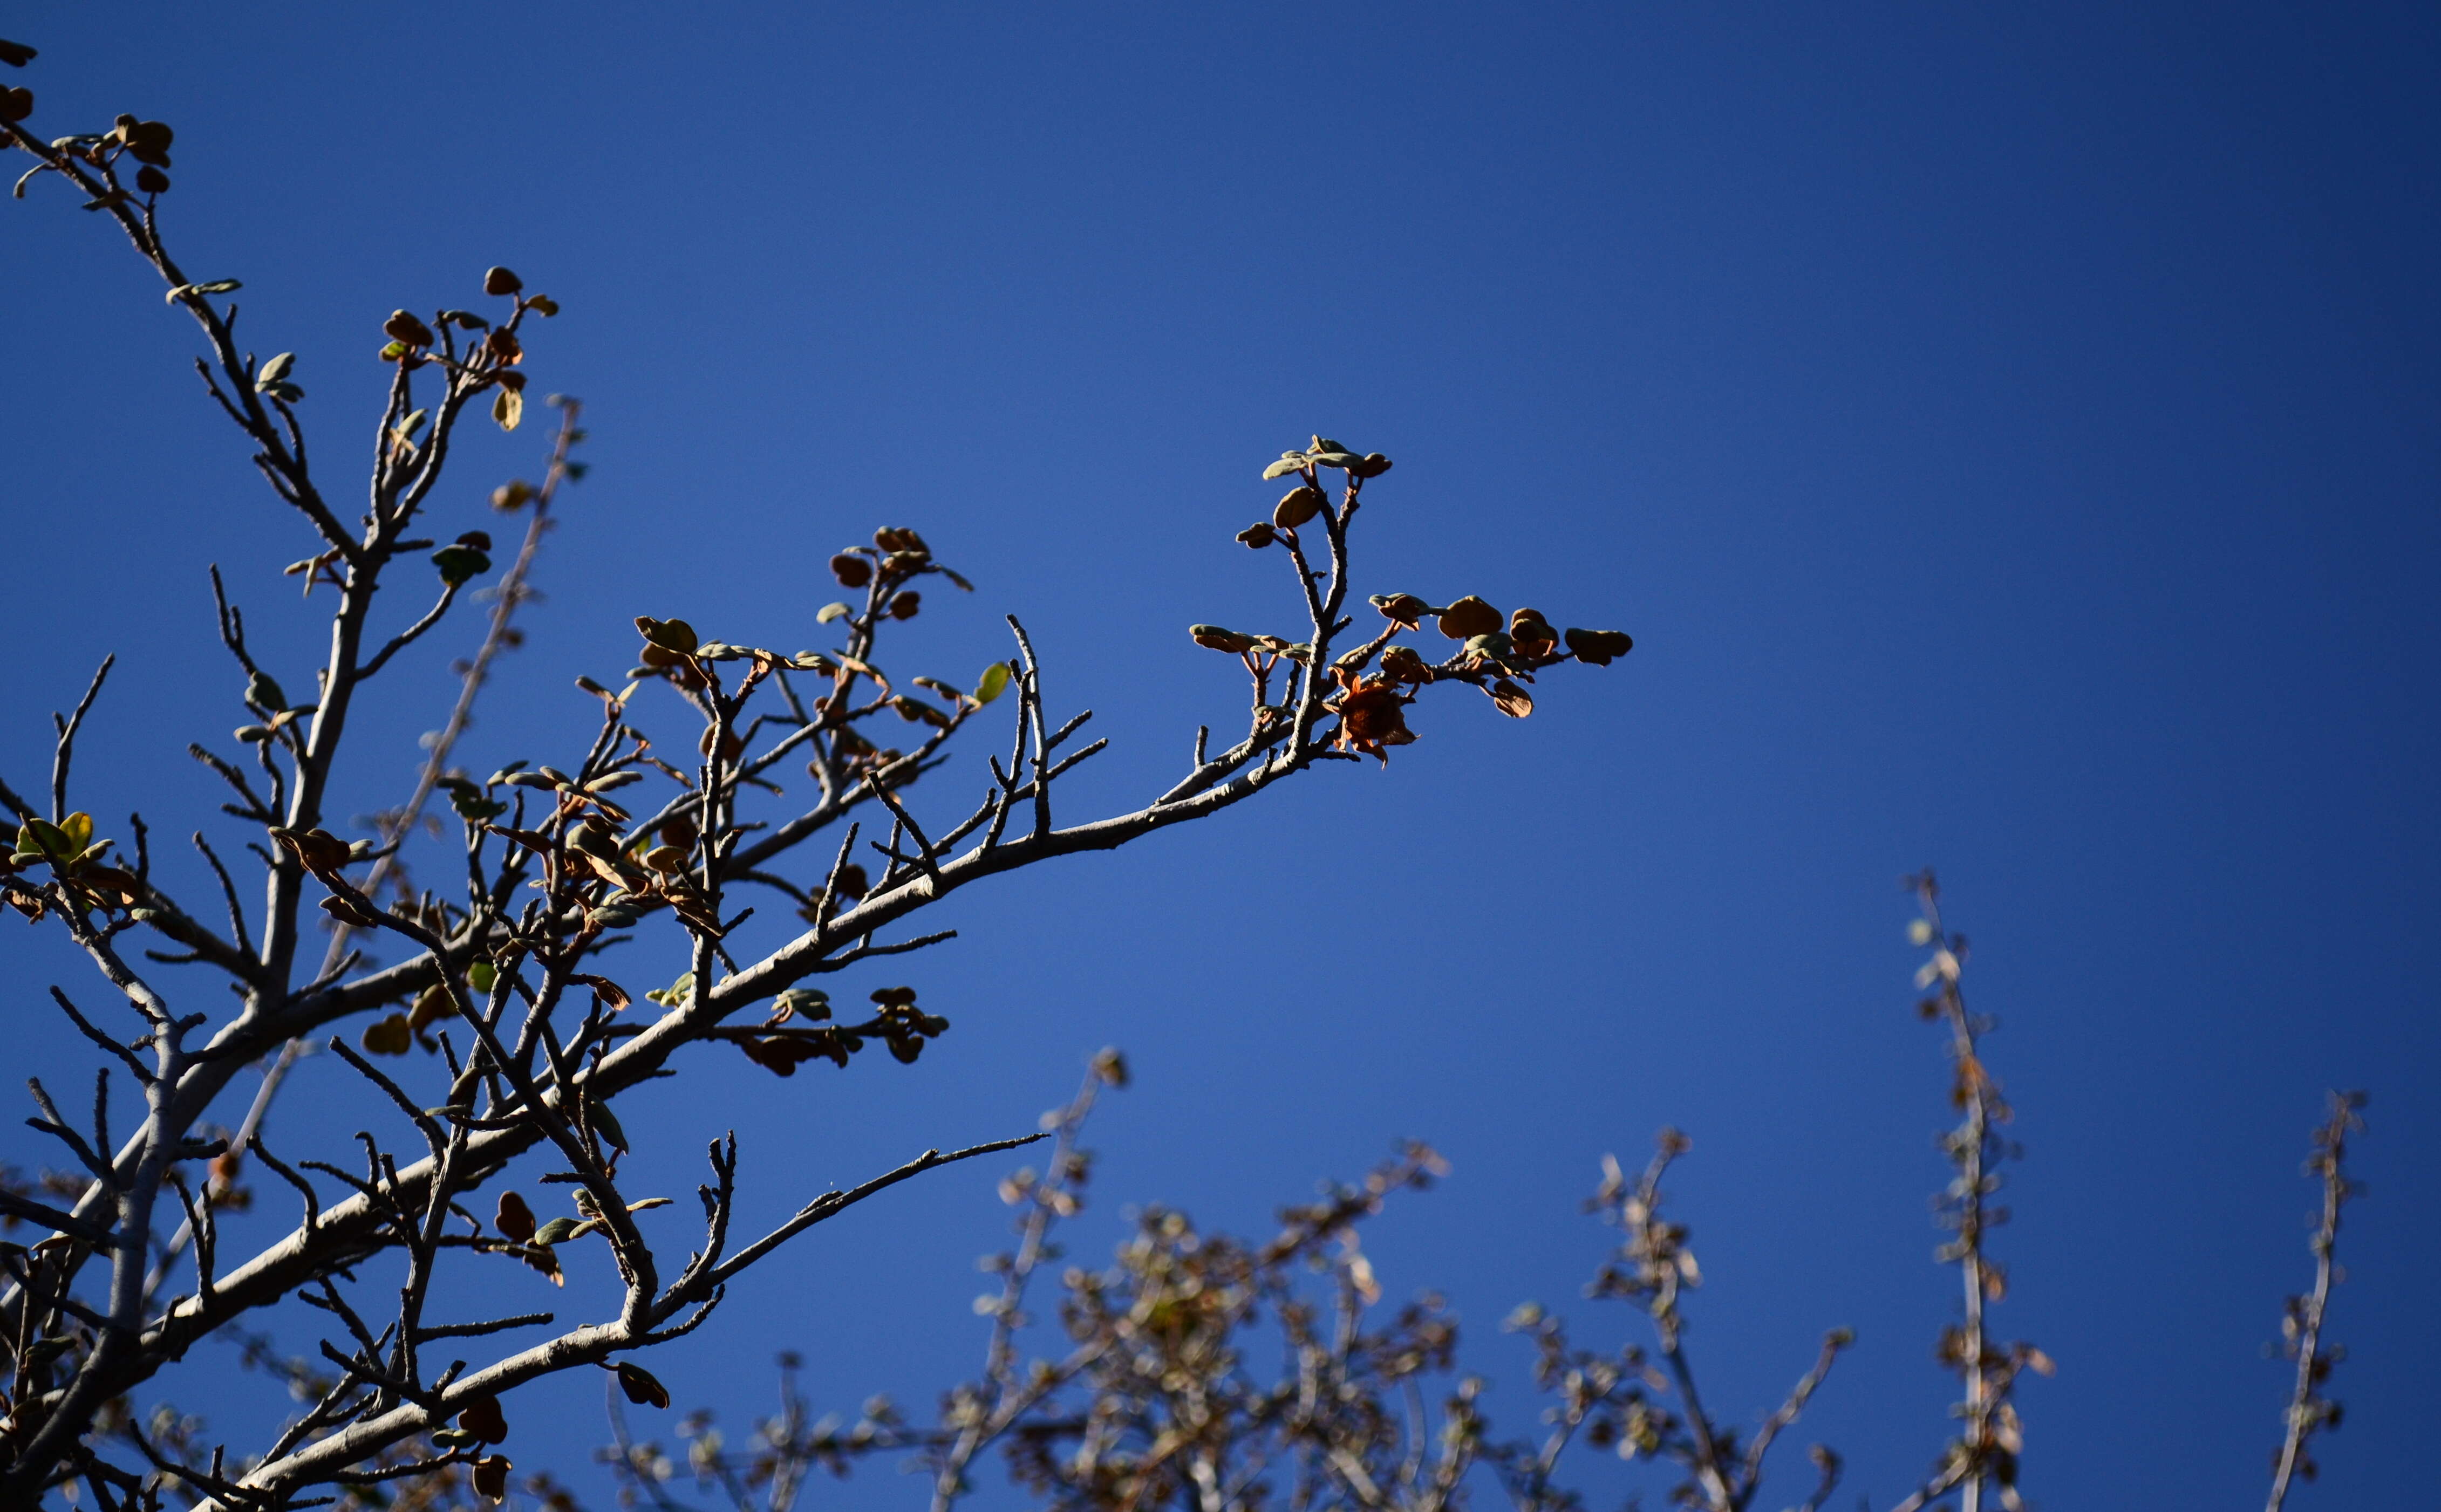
x: 500, y: 280
x: 152, y: 180
x: 1297, y: 506
x: 1258, y: 536
x: 853, y: 571
x: 903, y: 606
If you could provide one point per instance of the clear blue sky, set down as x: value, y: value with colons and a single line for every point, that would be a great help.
x: 2009, y: 435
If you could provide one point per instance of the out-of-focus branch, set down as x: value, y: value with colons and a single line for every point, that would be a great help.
x: 2310, y: 1412
x: 1984, y: 1455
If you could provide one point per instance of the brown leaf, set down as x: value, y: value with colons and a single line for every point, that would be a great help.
x: 484, y: 1419
x: 514, y: 1218
x: 641, y: 1387
x: 1297, y: 506
x: 1600, y: 648
x: 1510, y: 699
x: 1468, y: 618
x: 613, y: 996
x: 492, y: 1477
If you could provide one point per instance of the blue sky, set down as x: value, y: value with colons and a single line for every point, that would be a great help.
x: 2010, y: 436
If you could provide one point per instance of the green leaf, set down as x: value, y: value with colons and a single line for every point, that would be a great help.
x: 832, y: 611
x: 215, y: 286
x: 1219, y: 639
x: 276, y: 368
x: 481, y: 976
x: 555, y: 1232
x: 607, y: 1126
x: 459, y: 562
x: 1295, y: 462
x: 508, y: 407
x: 993, y: 683
x: 804, y: 1002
